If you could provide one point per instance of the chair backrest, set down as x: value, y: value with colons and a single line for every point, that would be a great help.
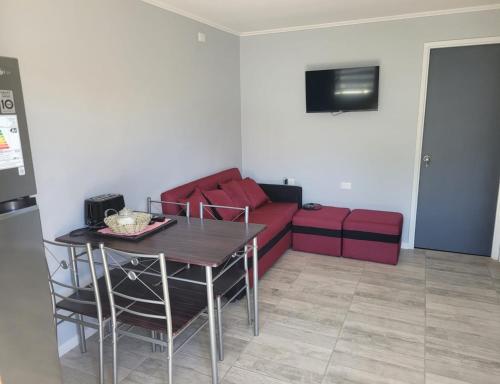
x: 137, y: 293
x: 183, y: 209
x: 65, y: 279
x: 243, y: 211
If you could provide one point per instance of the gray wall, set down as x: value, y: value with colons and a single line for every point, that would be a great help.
x: 373, y: 150
x: 120, y: 97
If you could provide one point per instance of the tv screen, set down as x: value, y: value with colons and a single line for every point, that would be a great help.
x: 342, y: 90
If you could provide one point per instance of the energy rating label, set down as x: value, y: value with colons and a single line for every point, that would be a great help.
x: 11, y: 153
x: 7, y: 101
x: 3, y: 142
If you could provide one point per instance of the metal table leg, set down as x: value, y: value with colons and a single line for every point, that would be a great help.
x: 153, y: 345
x: 247, y: 288
x: 211, y: 325
x: 255, y: 266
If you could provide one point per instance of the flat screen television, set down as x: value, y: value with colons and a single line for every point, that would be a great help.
x: 342, y: 90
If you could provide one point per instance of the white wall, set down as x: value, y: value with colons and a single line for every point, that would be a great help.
x: 373, y: 150
x: 120, y: 97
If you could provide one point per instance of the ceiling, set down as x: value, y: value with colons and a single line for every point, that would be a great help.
x: 249, y: 17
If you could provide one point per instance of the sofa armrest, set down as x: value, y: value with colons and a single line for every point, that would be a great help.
x: 282, y: 193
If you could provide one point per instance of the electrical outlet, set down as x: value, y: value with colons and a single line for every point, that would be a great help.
x: 345, y: 185
x: 201, y: 37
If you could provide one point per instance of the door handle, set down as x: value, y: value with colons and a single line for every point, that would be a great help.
x: 427, y: 160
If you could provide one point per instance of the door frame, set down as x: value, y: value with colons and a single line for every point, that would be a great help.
x: 421, y: 120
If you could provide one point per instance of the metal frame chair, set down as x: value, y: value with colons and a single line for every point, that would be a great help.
x: 194, y: 274
x: 78, y: 301
x: 139, y: 266
x: 150, y: 202
x: 240, y: 275
x: 143, y: 299
x: 187, y: 210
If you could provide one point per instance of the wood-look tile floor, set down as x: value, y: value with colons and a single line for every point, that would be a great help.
x: 434, y: 318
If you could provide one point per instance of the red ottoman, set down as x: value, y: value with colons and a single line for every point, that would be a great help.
x: 319, y: 231
x: 373, y: 236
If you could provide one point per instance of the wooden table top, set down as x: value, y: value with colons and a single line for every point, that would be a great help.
x: 194, y: 241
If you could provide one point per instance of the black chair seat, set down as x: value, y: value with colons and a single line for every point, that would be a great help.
x: 185, y: 307
x: 187, y: 300
x: 221, y: 286
x: 89, y: 310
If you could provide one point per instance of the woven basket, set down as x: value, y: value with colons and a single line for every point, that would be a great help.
x: 142, y: 220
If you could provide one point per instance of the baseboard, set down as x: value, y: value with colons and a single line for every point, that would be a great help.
x: 406, y: 246
x: 71, y: 343
x: 68, y: 345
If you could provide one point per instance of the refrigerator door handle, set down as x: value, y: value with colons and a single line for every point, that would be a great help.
x: 17, y: 204
x: 17, y: 212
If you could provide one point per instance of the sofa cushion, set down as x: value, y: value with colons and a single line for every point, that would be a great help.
x: 365, y: 220
x: 325, y: 218
x: 235, y: 191
x: 275, y: 216
x: 194, y: 204
x: 319, y: 231
x: 256, y: 196
x: 205, y: 183
x: 220, y: 197
x: 373, y: 236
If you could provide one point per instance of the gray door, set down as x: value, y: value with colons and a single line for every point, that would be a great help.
x: 28, y: 347
x: 460, y: 169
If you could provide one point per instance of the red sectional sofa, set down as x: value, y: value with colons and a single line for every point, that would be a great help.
x: 277, y: 214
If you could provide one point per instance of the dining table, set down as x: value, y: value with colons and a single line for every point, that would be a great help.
x: 205, y: 243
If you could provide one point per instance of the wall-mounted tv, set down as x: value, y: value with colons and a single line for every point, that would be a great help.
x: 342, y: 90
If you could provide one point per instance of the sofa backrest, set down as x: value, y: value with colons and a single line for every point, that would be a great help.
x: 205, y: 183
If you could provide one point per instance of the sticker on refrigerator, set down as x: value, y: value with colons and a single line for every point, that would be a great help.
x: 7, y: 101
x: 11, y: 153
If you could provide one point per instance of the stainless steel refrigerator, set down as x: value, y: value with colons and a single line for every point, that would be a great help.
x: 28, y: 346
